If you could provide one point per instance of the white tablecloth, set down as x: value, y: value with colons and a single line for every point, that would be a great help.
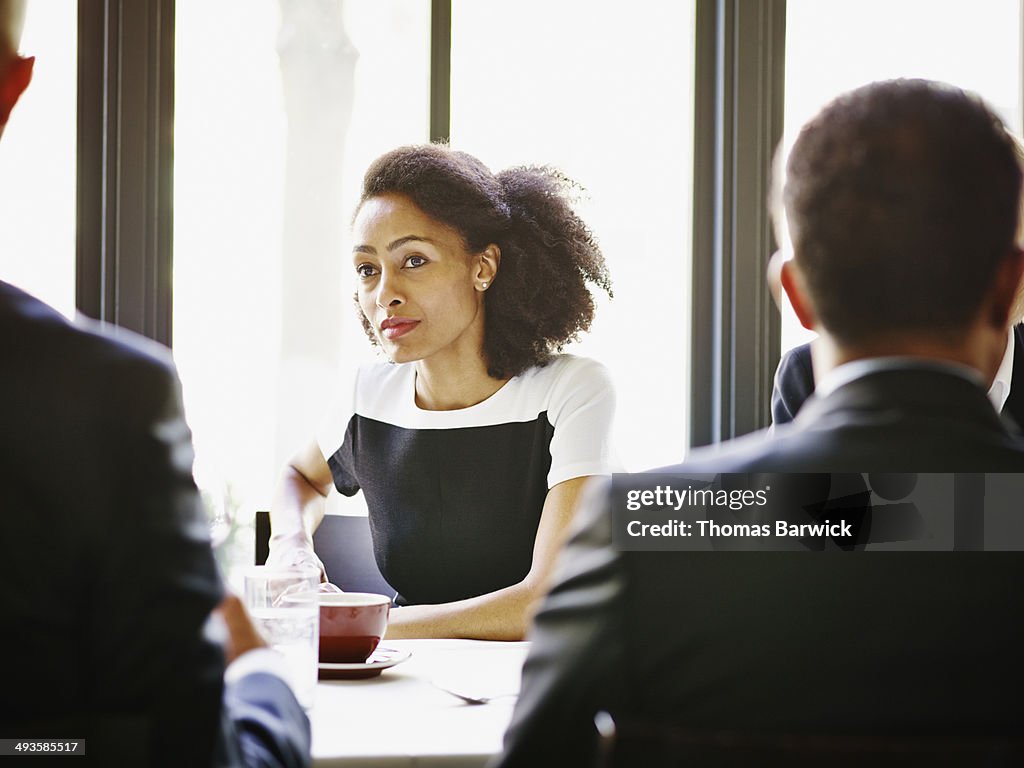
x: 402, y: 719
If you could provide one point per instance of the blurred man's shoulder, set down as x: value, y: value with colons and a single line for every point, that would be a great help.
x: 36, y: 330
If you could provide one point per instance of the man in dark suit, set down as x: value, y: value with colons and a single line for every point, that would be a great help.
x: 107, y: 579
x: 794, y: 380
x: 902, y: 201
x: 794, y: 377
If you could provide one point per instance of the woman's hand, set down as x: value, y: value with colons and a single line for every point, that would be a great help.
x: 294, y: 550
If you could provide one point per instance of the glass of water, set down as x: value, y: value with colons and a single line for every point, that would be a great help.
x: 284, y: 607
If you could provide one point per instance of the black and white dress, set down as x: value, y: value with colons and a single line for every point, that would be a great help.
x: 455, y: 497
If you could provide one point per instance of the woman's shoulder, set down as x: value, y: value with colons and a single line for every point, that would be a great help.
x: 581, y: 411
x: 368, y: 390
x: 565, y: 367
x: 570, y: 371
x: 567, y: 379
x: 383, y: 386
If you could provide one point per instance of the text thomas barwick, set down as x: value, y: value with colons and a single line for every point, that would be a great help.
x: 782, y: 528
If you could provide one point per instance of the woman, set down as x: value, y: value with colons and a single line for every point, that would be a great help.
x: 472, y: 444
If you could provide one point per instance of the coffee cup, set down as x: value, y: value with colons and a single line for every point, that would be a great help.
x: 351, y: 625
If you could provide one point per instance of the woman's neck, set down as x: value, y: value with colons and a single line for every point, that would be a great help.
x: 447, y: 385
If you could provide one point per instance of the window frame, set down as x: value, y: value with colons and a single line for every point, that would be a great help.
x: 738, y: 114
x: 125, y: 166
x: 125, y: 186
x: 125, y: 128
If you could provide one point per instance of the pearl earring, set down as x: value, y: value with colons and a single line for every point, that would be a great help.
x: 484, y: 285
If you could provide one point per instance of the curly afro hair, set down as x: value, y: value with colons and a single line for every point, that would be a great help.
x: 540, y: 299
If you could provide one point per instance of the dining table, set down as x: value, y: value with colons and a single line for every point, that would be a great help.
x: 410, y: 715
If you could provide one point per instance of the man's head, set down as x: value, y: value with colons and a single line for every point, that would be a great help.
x: 902, y: 200
x: 15, y: 70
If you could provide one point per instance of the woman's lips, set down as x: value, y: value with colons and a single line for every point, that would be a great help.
x: 395, y: 327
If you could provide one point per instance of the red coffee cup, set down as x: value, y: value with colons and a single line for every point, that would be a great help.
x: 351, y: 625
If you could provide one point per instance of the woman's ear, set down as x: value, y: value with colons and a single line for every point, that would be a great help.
x: 792, y: 280
x: 488, y: 262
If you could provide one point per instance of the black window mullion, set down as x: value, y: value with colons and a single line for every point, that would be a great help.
x: 440, y: 69
x: 125, y: 163
x: 740, y: 48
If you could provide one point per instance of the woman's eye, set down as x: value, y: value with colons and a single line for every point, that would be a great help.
x: 415, y: 261
x: 366, y: 270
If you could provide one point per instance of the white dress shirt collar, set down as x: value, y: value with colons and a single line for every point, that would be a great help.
x: 997, y: 393
x: 1000, y: 389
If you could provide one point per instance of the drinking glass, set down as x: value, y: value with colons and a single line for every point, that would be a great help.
x: 284, y: 607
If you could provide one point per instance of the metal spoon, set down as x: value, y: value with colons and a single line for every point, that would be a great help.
x: 473, y: 699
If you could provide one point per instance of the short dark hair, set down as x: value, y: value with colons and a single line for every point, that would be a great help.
x: 540, y: 299
x: 902, y: 198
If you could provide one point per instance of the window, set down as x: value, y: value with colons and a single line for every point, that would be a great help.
x: 277, y: 117
x: 833, y: 47
x: 605, y: 94
x: 37, y: 162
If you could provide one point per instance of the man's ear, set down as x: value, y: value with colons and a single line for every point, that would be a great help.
x: 774, y: 276
x: 1003, y: 293
x: 793, y: 284
x: 15, y: 81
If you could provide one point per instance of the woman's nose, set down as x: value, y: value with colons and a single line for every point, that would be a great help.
x: 388, y: 293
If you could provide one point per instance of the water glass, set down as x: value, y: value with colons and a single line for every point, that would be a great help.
x: 284, y: 608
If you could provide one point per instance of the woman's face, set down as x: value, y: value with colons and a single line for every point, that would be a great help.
x: 419, y: 288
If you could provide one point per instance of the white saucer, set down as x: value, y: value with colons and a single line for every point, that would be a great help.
x: 380, y: 659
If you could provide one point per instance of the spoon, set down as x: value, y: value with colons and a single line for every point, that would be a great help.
x: 473, y: 699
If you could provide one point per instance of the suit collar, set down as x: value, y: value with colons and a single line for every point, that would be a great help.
x: 848, y: 372
x: 889, y: 394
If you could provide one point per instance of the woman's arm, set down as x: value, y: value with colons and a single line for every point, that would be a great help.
x: 506, y: 613
x: 298, y: 508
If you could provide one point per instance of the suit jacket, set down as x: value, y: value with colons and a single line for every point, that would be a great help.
x: 107, y: 578
x: 789, y: 641
x: 794, y: 382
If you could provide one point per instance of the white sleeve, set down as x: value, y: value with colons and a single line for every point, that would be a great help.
x: 581, y: 410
